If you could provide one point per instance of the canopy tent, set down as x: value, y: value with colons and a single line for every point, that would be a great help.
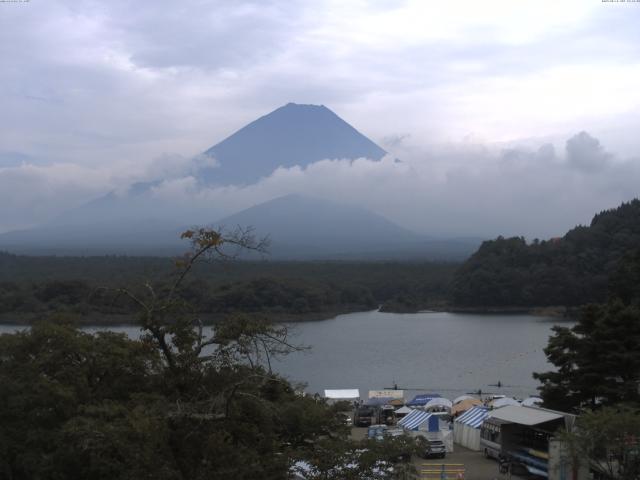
x: 466, y: 428
x: 404, y: 411
x: 531, y: 401
x: 461, y: 398
x: 420, y: 420
x: 438, y: 402
x: 503, y: 402
x: 423, y: 399
x: 473, y: 417
x: 447, y: 439
x: 464, y: 405
x: 526, y: 415
x: 342, y: 394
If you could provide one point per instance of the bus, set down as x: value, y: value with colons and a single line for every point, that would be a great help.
x: 491, y: 438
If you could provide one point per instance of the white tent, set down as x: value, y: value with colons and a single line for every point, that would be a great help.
x: 466, y: 428
x: 343, y: 394
x: 404, y: 410
x: 531, y: 401
x: 438, y: 402
x: 461, y: 398
x: 503, y: 402
x: 447, y: 438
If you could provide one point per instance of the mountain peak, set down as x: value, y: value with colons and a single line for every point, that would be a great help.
x: 294, y: 134
x: 303, y: 105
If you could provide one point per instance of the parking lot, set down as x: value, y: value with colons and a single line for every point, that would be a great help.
x: 475, y: 466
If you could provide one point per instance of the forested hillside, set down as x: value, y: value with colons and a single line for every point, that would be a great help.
x: 572, y: 270
x: 604, y: 339
x: 32, y: 286
x: 177, y: 403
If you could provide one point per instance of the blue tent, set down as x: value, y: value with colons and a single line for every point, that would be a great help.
x: 379, y: 401
x: 466, y: 428
x: 419, y: 418
x: 423, y: 399
x: 473, y: 417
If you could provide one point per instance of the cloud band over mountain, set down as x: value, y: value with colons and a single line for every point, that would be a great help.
x: 468, y: 189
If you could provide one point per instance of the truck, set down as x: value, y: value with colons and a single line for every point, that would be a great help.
x: 363, y: 416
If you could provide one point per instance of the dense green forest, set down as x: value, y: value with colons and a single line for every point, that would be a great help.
x: 571, y: 271
x: 31, y: 286
x: 177, y: 403
x: 596, y: 375
x: 597, y: 360
x: 507, y: 272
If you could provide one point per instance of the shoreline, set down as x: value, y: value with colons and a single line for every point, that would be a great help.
x: 129, y: 320
x: 550, y: 311
x: 555, y: 311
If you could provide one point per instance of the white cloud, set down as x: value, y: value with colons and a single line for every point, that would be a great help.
x: 465, y: 189
x: 585, y: 153
x: 110, y: 82
x: 34, y: 194
x: 101, y: 94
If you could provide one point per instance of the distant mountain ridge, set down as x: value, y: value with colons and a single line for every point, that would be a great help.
x: 142, y: 237
x: 299, y: 227
x: 305, y: 226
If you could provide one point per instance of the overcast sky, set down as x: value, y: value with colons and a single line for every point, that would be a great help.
x: 97, y: 94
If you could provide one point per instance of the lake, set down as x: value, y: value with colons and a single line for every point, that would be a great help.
x: 447, y: 353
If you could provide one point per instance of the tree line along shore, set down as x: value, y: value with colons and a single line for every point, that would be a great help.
x: 554, y: 277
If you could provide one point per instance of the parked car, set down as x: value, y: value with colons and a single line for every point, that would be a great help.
x: 377, y: 432
x: 433, y: 449
x: 346, y: 418
x: 393, y: 432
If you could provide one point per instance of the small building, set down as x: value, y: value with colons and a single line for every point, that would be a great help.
x: 388, y: 393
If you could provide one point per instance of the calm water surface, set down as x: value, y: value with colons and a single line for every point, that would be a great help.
x: 441, y: 352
